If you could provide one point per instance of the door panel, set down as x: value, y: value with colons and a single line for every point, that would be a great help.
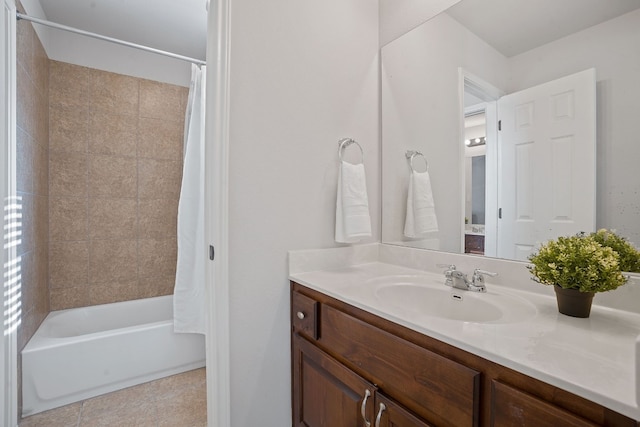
x: 511, y: 407
x: 326, y: 392
x: 546, y: 163
x: 390, y: 414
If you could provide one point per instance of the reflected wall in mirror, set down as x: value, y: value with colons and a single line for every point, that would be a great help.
x: 423, y: 108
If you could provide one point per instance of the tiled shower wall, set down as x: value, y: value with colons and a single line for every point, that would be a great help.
x: 32, y: 80
x: 115, y: 167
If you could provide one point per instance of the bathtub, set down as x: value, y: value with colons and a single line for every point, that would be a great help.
x: 83, y: 352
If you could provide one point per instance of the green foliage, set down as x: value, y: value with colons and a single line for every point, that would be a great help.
x: 577, y: 262
x: 629, y: 256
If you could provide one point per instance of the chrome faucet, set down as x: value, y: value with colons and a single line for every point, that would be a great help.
x: 459, y: 280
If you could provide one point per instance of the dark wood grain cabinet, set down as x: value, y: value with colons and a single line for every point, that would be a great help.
x: 351, y: 368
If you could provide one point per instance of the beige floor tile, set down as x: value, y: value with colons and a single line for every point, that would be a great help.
x: 176, y: 401
x: 66, y: 416
x: 186, y: 407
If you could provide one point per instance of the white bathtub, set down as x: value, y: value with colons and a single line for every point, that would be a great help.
x: 84, y: 352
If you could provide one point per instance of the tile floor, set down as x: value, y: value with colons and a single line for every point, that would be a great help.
x: 176, y: 401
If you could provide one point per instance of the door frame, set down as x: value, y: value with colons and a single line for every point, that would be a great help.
x: 8, y: 340
x: 217, y: 214
x: 469, y: 82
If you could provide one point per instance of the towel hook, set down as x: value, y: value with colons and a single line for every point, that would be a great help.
x: 343, y: 143
x: 411, y: 154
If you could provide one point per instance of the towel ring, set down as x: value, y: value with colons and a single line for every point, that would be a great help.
x: 343, y: 143
x: 411, y: 154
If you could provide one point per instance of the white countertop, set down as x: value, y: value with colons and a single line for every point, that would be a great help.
x: 594, y: 358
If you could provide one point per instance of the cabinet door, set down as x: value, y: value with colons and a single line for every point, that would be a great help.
x: 511, y: 407
x: 326, y: 393
x: 390, y: 414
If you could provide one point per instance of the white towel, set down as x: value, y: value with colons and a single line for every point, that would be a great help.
x: 421, y: 211
x: 352, y: 205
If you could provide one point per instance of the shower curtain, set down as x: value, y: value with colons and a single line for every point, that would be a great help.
x: 189, y: 315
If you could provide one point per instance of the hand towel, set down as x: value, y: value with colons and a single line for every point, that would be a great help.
x: 421, y: 211
x: 352, y: 205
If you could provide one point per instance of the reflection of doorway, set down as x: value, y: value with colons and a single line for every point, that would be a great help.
x: 475, y: 134
x: 539, y: 170
x: 480, y: 115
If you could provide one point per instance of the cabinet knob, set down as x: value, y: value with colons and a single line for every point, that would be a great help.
x: 300, y: 315
x: 383, y: 407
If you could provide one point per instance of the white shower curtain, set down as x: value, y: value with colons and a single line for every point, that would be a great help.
x: 189, y: 313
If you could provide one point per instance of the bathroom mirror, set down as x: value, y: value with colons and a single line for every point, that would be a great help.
x: 452, y: 69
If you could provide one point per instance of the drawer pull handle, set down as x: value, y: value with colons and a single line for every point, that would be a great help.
x: 379, y: 417
x: 363, y: 408
x: 300, y: 315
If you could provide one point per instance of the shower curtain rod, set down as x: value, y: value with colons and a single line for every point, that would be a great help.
x: 109, y: 39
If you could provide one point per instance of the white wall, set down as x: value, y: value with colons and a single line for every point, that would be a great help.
x: 421, y: 111
x: 81, y: 50
x: 399, y: 16
x: 303, y: 74
x: 613, y: 49
x: 92, y: 53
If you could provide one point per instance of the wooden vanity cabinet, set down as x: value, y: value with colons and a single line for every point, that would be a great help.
x: 340, y: 352
x: 327, y: 393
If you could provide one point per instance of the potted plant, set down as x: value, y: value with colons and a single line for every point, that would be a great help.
x: 581, y: 265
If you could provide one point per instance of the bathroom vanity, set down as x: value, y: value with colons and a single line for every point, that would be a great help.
x: 358, y: 362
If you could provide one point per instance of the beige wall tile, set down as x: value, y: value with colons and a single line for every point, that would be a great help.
x: 32, y: 175
x: 111, y: 176
x: 160, y: 139
x: 68, y: 218
x: 115, y: 93
x: 68, y: 264
x: 161, y: 100
x: 41, y: 111
x: 106, y: 293
x: 156, y: 286
x: 157, y: 257
x: 40, y: 170
x: 24, y: 162
x: 106, y: 148
x: 64, y: 298
x: 68, y: 84
x: 157, y: 218
x: 112, y: 218
x: 42, y: 281
x: 113, y: 134
x: 41, y: 67
x: 24, y: 43
x: 113, y: 260
x: 69, y: 128
x: 27, y: 237
x: 68, y: 174
x: 159, y: 179
x: 41, y: 220
x: 25, y: 93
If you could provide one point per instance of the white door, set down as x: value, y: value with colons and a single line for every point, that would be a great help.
x: 546, y: 181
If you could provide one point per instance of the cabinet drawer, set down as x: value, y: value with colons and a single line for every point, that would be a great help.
x: 512, y: 407
x: 304, y: 315
x: 441, y: 391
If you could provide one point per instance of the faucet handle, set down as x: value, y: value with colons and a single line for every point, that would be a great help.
x: 478, y: 275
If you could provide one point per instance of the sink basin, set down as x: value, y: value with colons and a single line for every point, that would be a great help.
x: 429, y: 297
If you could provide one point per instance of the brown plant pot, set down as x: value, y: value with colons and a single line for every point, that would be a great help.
x: 572, y: 302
